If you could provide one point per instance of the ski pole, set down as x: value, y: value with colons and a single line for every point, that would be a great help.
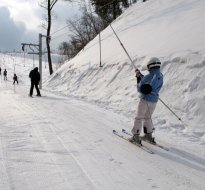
x: 136, y: 68
x: 122, y: 46
x: 171, y: 110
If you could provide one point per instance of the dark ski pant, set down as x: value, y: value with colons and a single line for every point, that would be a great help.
x: 37, y: 89
x: 15, y: 81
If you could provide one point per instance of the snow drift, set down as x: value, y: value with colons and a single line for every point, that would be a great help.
x: 170, y: 30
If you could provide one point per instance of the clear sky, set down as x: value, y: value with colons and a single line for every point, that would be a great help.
x: 21, y: 22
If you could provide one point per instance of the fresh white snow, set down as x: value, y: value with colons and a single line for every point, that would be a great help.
x: 64, y: 139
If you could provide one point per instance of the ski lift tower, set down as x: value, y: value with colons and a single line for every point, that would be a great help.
x: 39, y: 52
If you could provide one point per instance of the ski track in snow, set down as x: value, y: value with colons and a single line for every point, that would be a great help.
x: 63, y: 143
x: 44, y: 139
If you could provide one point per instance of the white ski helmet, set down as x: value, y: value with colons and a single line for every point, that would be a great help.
x: 153, y: 62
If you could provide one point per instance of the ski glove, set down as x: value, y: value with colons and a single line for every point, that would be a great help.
x: 137, y: 72
x: 139, y: 75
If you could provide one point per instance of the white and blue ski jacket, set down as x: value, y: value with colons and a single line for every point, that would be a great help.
x: 155, y: 79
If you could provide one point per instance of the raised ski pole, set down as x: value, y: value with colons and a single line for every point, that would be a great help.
x: 136, y: 68
x: 123, y: 47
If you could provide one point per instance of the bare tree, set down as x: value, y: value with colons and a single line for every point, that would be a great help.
x: 48, y: 5
x: 83, y: 30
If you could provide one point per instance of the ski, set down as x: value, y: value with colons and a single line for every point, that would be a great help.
x: 138, y: 145
x: 158, y: 145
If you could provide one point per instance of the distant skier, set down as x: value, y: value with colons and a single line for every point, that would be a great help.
x: 148, y: 86
x: 0, y: 70
x: 15, y: 78
x: 35, y: 79
x: 5, y: 74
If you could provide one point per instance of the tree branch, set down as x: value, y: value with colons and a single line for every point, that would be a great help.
x: 53, y: 3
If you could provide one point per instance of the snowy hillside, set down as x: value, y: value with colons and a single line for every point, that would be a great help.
x: 171, y: 30
x: 64, y: 141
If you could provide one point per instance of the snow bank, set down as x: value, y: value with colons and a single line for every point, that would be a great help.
x: 171, y: 30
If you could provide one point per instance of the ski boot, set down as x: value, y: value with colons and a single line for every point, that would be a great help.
x: 148, y: 137
x: 136, y: 139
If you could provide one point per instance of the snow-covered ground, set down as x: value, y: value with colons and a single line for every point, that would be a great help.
x: 64, y: 139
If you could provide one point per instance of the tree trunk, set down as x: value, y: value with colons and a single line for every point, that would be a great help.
x: 48, y: 39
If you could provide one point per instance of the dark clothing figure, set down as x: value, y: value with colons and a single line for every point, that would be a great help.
x: 5, y: 74
x: 0, y: 70
x: 15, y: 78
x: 35, y: 79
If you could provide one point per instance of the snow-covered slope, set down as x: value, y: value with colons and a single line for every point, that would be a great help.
x: 59, y: 143
x: 65, y: 142
x: 171, y: 30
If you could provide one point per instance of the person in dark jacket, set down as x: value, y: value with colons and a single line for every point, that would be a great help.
x: 15, y: 78
x: 35, y: 79
x: 148, y: 86
x: 5, y: 74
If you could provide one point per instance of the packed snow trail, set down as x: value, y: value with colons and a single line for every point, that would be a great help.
x: 56, y: 142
